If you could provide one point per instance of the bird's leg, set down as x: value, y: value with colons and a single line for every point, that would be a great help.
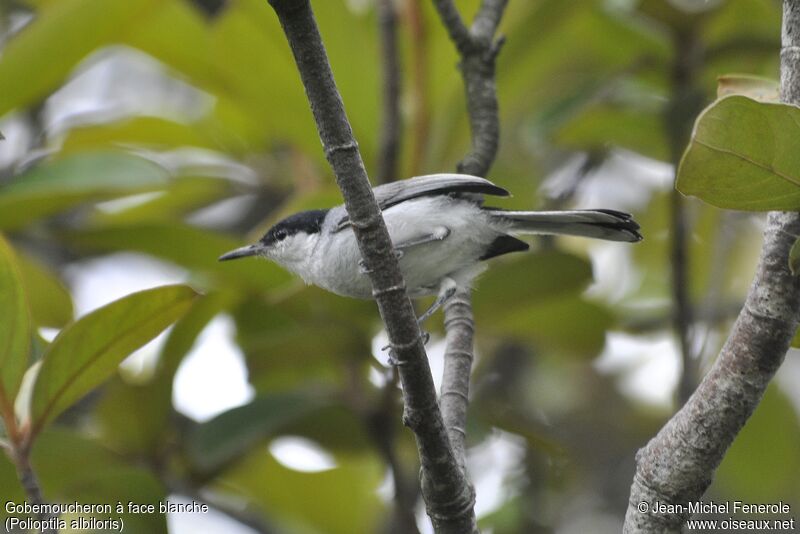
x: 446, y: 290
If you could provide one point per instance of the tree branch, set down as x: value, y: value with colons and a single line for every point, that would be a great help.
x: 677, y: 466
x: 391, y: 125
x: 454, y: 397
x: 448, y: 495
x: 30, y: 483
x: 452, y: 21
x: 478, y: 54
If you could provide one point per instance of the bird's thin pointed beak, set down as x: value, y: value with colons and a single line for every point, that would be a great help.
x: 249, y: 250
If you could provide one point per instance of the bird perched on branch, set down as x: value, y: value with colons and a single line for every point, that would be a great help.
x: 442, y: 235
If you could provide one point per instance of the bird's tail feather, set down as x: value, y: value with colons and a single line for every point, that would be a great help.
x: 600, y: 224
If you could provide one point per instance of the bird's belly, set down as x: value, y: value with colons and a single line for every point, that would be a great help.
x: 423, y: 266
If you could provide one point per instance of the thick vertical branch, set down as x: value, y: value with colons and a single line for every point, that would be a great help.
x: 448, y: 495
x: 391, y: 130
x: 677, y: 466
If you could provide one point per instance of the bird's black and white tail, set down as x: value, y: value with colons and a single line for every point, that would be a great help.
x: 600, y: 224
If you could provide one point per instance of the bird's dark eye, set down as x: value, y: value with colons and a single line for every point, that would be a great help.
x: 280, y: 235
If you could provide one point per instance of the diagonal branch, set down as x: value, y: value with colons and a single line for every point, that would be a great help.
x: 448, y: 494
x: 677, y: 466
x: 452, y: 21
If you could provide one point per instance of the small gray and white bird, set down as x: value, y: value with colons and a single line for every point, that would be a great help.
x: 441, y: 232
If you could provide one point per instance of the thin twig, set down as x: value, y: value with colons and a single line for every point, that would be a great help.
x: 30, y: 484
x: 391, y: 124
x: 677, y: 466
x: 454, y: 24
x: 448, y: 495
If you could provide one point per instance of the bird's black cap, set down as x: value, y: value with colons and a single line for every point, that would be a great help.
x: 309, y: 222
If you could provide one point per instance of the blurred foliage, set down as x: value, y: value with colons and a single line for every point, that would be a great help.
x: 217, y: 142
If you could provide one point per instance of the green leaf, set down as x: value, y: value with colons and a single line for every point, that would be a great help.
x: 285, y: 494
x: 185, y: 245
x: 68, y: 30
x: 74, y: 467
x: 15, y: 327
x: 130, y: 419
x: 50, y: 302
x: 232, y: 433
x: 517, y: 282
x: 181, y: 197
x: 57, y: 185
x: 744, y: 155
x: 755, y: 87
x: 767, y: 448
x: 640, y: 130
x: 794, y: 257
x: 87, y: 352
x: 153, y: 132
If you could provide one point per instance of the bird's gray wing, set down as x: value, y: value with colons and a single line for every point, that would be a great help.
x: 391, y: 194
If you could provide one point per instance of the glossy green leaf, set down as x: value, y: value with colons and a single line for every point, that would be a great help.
x: 15, y: 327
x: 232, y: 433
x: 744, y: 155
x: 68, y: 30
x: 49, y: 300
x: 57, y: 185
x: 136, y: 418
x: 185, y: 245
x: 87, y: 352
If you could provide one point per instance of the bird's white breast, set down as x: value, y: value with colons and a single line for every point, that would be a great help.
x: 423, y: 266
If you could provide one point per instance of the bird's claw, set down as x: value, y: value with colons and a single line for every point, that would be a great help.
x: 393, y: 361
